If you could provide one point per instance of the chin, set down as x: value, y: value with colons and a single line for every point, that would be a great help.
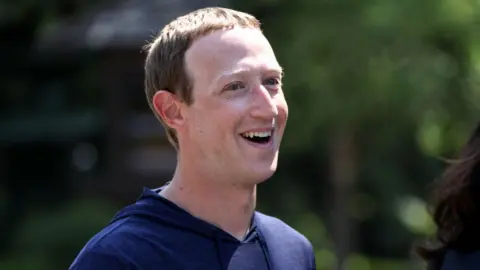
x: 261, y: 175
x: 259, y: 171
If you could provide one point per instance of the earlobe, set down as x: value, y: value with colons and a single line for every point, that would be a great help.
x: 168, y: 107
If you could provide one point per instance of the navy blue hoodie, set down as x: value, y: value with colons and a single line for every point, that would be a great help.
x: 156, y: 234
x: 455, y: 260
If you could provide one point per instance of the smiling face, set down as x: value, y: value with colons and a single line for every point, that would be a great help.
x: 234, y: 127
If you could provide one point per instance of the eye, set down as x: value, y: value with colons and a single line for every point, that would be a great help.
x: 272, y: 81
x: 234, y: 86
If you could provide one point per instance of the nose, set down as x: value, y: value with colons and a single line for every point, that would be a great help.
x: 264, y: 105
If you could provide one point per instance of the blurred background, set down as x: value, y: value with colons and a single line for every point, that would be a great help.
x: 381, y: 92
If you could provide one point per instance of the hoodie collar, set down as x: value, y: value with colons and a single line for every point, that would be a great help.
x: 147, y: 206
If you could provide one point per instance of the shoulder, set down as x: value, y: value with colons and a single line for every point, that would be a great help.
x: 461, y: 260
x: 120, y: 245
x: 277, y: 227
x: 285, y: 244
x: 98, y: 258
x: 273, y: 227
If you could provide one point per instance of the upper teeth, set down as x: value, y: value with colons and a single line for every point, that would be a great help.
x: 257, y: 134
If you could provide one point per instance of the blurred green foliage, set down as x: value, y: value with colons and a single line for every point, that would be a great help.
x: 50, y: 238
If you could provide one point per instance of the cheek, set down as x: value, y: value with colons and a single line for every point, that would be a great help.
x: 224, y: 124
x: 219, y: 119
x: 209, y: 128
x: 196, y: 131
x: 228, y: 116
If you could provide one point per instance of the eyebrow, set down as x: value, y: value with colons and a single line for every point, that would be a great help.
x: 240, y: 71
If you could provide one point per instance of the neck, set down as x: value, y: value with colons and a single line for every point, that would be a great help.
x: 227, y: 206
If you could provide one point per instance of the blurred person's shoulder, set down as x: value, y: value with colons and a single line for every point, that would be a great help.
x: 455, y: 259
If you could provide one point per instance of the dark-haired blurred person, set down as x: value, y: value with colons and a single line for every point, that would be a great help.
x: 456, y: 213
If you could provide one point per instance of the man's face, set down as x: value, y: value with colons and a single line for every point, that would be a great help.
x: 236, y: 122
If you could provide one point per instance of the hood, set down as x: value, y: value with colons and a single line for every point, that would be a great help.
x: 150, y: 205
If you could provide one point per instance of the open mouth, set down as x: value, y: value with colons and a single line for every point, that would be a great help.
x: 258, y: 137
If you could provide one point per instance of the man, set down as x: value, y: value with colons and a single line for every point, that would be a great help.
x: 213, y: 81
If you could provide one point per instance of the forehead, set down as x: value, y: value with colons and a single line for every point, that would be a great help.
x: 226, y: 51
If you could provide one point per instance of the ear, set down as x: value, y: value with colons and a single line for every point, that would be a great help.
x: 169, y: 108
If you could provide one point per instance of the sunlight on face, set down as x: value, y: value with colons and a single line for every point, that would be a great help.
x: 236, y: 122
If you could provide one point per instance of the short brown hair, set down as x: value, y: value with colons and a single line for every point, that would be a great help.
x: 165, y: 62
